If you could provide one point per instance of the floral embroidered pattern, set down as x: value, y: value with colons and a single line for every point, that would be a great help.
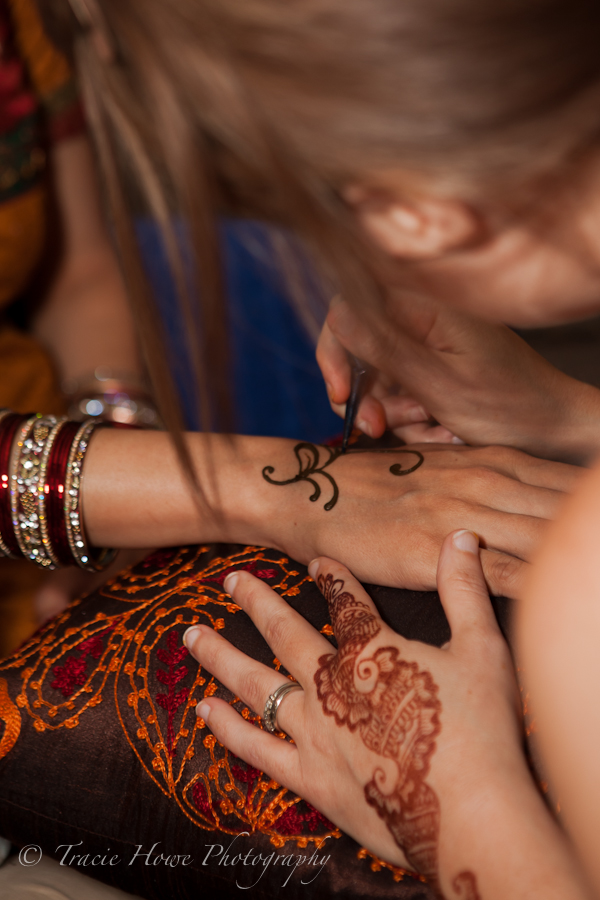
x: 73, y: 673
x: 171, y: 657
x: 131, y: 654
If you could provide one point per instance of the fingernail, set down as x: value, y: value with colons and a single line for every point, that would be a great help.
x: 457, y: 440
x: 313, y: 568
x: 193, y: 628
x: 364, y: 427
x: 203, y: 710
x: 230, y: 582
x: 466, y: 540
x: 417, y: 414
x: 329, y: 389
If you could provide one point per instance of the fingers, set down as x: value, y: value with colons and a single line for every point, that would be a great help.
x: 538, y: 472
x: 335, y: 368
x: 426, y: 433
x: 261, y: 750
x: 292, y: 639
x: 504, y: 575
x: 462, y: 587
x: 353, y: 614
x: 496, y: 490
x: 504, y: 532
x: 248, y: 679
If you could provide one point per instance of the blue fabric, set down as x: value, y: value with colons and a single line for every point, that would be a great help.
x: 277, y: 387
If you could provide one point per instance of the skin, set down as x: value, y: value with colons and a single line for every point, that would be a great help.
x: 444, y: 342
x: 463, y: 269
x: 507, y: 272
x: 470, y: 730
x: 122, y: 493
x: 134, y: 493
x: 84, y: 295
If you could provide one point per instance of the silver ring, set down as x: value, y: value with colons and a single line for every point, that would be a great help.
x: 274, y: 702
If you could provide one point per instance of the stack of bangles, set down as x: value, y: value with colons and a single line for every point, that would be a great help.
x: 41, y: 464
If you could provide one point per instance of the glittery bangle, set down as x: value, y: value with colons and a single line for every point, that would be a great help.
x: 44, y: 494
x: 9, y: 422
x: 54, y: 491
x: 24, y: 491
x: 94, y: 560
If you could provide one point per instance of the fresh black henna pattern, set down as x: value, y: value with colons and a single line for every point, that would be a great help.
x: 309, y: 462
x: 395, y: 707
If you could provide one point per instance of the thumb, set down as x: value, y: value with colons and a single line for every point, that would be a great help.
x: 462, y: 588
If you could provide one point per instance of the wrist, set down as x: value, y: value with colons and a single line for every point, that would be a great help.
x: 498, y: 828
x: 251, y: 510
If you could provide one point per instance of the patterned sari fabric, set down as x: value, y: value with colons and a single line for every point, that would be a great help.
x: 100, y: 747
x: 39, y: 106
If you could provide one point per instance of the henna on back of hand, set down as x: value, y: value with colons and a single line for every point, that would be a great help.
x: 396, y: 709
x: 310, y: 467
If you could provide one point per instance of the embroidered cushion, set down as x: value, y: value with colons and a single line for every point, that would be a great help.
x: 103, y: 763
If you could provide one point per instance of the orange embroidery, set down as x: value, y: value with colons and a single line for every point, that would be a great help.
x: 378, y: 864
x: 9, y: 714
x: 137, y: 646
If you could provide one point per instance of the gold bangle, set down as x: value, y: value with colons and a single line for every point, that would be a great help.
x: 25, y: 473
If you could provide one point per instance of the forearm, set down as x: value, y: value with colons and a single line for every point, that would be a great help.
x: 136, y: 494
x: 504, y: 840
x: 85, y: 321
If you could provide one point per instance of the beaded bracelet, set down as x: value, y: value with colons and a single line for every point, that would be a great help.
x: 98, y: 559
x: 27, y: 487
x: 41, y: 462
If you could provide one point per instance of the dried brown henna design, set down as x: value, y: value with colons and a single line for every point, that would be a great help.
x: 395, y: 706
x: 465, y: 886
x: 310, y: 467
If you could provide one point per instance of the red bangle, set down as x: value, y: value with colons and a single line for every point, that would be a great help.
x: 8, y: 430
x: 55, y: 492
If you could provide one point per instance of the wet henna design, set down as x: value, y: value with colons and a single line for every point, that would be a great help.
x: 309, y: 462
x: 396, y: 708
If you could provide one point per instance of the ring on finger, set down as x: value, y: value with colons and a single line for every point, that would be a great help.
x: 274, y: 701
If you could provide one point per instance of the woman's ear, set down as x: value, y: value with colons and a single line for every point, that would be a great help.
x: 418, y: 228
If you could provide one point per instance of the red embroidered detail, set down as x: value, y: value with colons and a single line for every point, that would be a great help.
x: 171, y: 702
x: 251, y: 567
x: 246, y: 776
x: 158, y: 559
x: 202, y: 801
x: 73, y: 673
x: 293, y: 820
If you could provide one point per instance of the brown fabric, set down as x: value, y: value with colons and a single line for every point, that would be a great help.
x: 101, y: 744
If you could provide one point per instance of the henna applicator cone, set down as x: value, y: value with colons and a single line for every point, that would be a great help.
x: 357, y: 388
